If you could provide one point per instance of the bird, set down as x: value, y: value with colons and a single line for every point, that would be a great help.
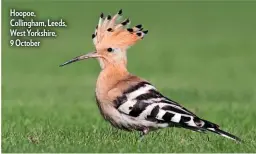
x: 129, y: 102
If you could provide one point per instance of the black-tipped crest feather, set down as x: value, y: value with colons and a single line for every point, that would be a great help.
x: 120, y: 12
x: 101, y: 15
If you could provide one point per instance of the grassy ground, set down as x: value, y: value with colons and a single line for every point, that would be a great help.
x: 199, y: 54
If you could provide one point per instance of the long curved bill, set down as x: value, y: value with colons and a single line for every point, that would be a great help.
x: 86, y: 56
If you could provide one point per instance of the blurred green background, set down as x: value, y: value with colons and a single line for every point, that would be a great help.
x: 201, y: 54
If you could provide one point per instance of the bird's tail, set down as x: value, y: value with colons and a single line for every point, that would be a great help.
x: 206, y: 125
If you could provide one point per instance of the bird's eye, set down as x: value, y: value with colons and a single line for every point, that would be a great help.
x: 110, y: 49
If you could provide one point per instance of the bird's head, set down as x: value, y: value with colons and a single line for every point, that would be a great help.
x: 112, y: 39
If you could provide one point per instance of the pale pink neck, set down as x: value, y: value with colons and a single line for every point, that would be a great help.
x: 109, y: 76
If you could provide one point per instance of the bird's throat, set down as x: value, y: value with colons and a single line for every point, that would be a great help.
x: 109, y: 77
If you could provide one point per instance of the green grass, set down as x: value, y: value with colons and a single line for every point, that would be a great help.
x: 199, y: 54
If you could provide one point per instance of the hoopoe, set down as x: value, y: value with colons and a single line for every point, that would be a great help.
x: 127, y: 101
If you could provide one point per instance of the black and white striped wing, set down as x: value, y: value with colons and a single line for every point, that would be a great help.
x: 143, y: 101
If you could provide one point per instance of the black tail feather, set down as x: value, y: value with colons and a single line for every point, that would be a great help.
x: 225, y: 134
x: 215, y: 129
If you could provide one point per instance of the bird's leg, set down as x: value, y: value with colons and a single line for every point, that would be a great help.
x: 143, y: 133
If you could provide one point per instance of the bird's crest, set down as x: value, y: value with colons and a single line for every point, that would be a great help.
x: 110, y: 31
